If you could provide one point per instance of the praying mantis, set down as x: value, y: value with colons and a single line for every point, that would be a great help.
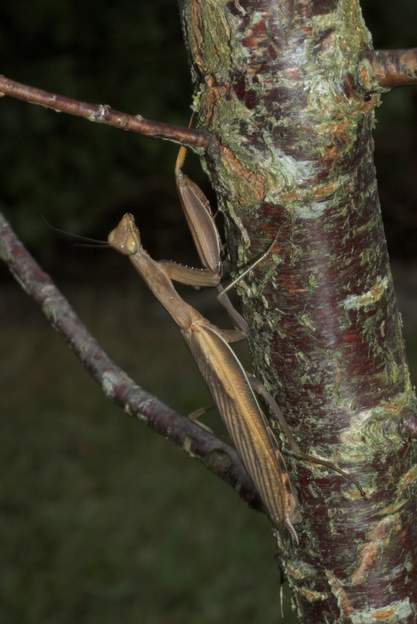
x: 230, y: 386
x: 224, y: 374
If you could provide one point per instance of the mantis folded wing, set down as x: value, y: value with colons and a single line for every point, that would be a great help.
x: 224, y: 375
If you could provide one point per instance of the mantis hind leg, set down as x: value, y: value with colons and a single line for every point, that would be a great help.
x: 294, y: 450
x: 328, y: 464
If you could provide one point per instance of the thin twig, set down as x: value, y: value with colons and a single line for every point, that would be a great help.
x: 395, y: 68
x: 103, y: 113
x: 217, y: 456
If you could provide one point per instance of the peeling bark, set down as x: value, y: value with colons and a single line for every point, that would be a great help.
x: 289, y: 92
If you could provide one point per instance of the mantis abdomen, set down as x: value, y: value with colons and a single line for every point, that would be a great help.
x: 245, y: 422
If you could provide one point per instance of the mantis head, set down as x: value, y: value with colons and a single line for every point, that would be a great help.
x: 125, y: 237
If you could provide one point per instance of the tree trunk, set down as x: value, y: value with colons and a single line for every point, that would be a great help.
x: 288, y: 89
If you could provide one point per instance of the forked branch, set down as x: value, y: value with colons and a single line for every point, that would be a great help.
x: 395, y: 68
x: 103, y: 113
x: 217, y: 456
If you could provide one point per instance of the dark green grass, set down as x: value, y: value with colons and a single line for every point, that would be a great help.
x: 101, y: 520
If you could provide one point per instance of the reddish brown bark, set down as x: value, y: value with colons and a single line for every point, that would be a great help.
x: 287, y: 88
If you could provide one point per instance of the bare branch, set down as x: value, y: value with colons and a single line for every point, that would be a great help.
x: 103, y: 113
x: 395, y: 68
x: 217, y: 456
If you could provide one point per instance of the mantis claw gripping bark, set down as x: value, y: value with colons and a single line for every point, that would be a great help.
x: 225, y: 377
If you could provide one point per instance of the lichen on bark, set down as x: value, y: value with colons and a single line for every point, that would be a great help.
x: 287, y: 90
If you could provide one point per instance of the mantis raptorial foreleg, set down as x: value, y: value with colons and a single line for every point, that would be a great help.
x: 199, y: 218
x: 225, y: 377
x: 196, y: 208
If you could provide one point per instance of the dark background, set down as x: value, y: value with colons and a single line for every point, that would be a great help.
x: 100, y: 520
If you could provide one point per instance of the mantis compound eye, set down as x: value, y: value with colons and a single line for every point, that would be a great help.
x: 131, y: 245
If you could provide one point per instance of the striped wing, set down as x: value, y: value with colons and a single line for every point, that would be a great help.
x: 245, y: 421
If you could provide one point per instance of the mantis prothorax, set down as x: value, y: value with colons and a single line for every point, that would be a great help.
x: 225, y: 376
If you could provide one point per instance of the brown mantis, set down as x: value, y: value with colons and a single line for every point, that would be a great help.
x: 230, y: 386
x: 225, y: 376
